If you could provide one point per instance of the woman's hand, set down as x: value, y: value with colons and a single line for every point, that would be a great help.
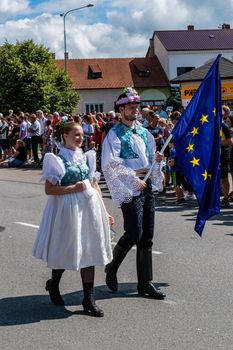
x: 80, y: 186
x: 111, y: 220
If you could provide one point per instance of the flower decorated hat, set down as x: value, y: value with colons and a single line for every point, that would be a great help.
x: 129, y: 95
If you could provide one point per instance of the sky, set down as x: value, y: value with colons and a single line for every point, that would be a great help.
x: 111, y: 28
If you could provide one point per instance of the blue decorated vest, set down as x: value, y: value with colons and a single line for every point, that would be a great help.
x: 124, y: 133
x: 74, y: 172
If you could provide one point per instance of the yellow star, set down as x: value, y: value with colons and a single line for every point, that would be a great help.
x: 195, y: 161
x: 221, y: 133
x: 205, y: 175
x: 190, y: 147
x: 214, y: 111
x: 204, y: 119
x: 194, y: 131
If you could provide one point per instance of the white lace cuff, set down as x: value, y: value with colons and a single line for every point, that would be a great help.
x: 122, y: 183
x: 157, y: 177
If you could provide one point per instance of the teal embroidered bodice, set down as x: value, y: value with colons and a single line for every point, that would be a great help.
x: 124, y: 133
x: 74, y: 172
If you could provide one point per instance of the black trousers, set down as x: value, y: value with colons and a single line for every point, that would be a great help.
x: 139, y: 219
x: 35, y: 143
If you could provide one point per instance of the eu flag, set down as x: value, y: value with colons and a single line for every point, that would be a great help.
x: 197, y: 141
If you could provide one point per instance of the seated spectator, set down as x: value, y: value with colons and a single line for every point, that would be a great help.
x: 18, y: 158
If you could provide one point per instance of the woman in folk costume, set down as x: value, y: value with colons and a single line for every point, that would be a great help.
x: 127, y: 154
x: 74, y: 232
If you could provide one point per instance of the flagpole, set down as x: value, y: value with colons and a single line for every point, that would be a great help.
x: 162, y: 150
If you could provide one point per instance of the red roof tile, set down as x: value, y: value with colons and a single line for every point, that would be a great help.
x: 208, y: 39
x: 116, y: 73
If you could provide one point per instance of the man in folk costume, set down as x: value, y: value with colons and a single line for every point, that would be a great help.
x: 128, y: 153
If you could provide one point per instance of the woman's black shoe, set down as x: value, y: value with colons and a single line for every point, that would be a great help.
x: 90, y: 306
x: 54, y: 292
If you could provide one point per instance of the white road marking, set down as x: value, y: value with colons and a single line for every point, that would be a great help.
x: 26, y: 224
x: 113, y: 243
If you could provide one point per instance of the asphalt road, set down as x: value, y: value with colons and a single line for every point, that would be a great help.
x: 195, y: 273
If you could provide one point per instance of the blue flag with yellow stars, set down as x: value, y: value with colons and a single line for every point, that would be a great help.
x: 197, y: 142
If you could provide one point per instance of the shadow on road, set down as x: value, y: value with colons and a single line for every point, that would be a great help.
x: 35, y: 308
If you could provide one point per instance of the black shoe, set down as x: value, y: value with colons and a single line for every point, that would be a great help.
x: 224, y: 203
x: 111, y: 269
x: 149, y: 289
x: 54, y: 292
x: 111, y: 278
x: 181, y: 201
x: 90, y: 306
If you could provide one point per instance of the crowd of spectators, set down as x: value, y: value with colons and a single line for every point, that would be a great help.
x: 25, y: 138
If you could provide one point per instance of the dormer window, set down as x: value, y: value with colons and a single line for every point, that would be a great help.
x: 94, y: 72
x: 141, y: 70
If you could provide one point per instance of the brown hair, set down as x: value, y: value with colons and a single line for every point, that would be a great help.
x: 21, y: 143
x: 66, y: 129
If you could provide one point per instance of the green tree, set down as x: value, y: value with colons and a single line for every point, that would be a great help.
x: 174, y: 99
x: 30, y: 80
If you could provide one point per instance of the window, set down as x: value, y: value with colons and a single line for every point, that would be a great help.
x: 141, y: 70
x: 94, y: 72
x: 91, y: 107
x: 182, y: 70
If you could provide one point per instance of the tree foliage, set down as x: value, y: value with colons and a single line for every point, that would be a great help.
x: 30, y: 80
x: 174, y: 99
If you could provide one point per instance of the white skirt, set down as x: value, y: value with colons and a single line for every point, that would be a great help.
x: 74, y: 232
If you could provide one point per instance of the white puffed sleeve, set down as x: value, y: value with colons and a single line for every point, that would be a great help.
x: 53, y: 169
x: 157, y: 176
x: 121, y: 180
x: 91, y: 161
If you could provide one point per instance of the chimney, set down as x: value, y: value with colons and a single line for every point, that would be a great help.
x: 190, y: 27
x: 151, y: 51
x: 226, y: 26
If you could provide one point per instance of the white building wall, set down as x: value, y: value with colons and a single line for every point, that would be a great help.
x: 162, y: 54
x: 192, y: 59
x: 105, y: 96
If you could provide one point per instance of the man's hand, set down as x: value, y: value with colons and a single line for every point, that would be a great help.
x: 142, y: 185
x: 111, y: 220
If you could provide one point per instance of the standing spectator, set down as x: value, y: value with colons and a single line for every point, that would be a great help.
x: 155, y: 129
x: 229, y: 122
x: 56, y: 119
x: 226, y: 144
x: 88, y: 130
x: 4, y: 130
x: 109, y: 124
x: 42, y: 120
x: 34, y: 130
x: 161, y: 112
x: 23, y: 130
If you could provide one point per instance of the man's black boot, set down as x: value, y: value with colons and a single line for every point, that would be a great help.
x: 145, y: 275
x: 111, y: 269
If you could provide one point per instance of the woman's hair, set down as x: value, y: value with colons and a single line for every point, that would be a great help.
x: 77, y: 119
x: 21, y: 143
x: 48, y: 122
x: 88, y: 118
x: 66, y: 129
